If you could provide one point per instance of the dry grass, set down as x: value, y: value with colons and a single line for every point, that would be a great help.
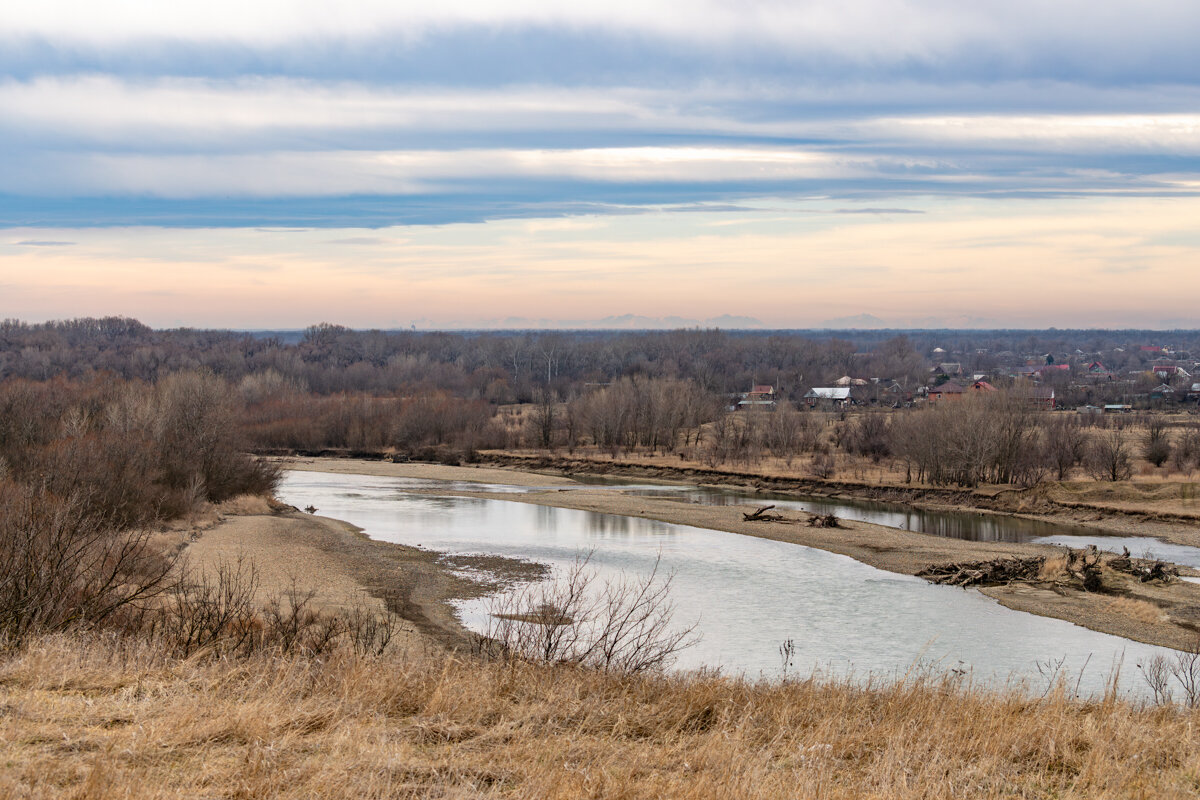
x: 1139, y: 610
x: 93, y: 718
x: 1053, y: 568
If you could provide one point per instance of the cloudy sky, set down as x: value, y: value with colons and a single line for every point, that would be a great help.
x: 450, y: 164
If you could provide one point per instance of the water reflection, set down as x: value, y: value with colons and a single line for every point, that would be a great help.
x: 748, y: 594
x: 973, y: 527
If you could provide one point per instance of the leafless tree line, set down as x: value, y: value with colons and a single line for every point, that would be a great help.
x: 629, y: 414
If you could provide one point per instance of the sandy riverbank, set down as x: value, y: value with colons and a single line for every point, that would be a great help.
x: 345, y: 568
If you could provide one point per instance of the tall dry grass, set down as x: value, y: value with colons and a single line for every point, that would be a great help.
x: 97, y: 717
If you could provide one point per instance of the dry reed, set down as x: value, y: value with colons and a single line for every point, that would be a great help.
x: 100, y: 717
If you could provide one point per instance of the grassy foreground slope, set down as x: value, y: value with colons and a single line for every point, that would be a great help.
x: 85, y: 717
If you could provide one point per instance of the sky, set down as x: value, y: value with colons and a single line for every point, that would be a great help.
x: 866, y: 163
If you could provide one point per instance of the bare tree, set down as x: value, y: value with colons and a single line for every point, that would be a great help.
x: 1063, y: 444
x: 544, y: 417
x: 1156, y: 448
x: 624, y: 624
x: 1108, y: 457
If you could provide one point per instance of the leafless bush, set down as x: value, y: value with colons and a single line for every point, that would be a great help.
x: 1157, y: 674
x: 293, y: 625
x: 369, y: 633
x: 217, y: 612
x: 63, y: 565
x: 624, y: 625
x: 1185, y: 456
x: 1108, y: 456
x: 1183, y: 667
x: 1063, y: 445
x: 1156, y: 448
x: 1186, y: 671
x: 867, y: 435
x: 212, y: 611
x: 823, y: 466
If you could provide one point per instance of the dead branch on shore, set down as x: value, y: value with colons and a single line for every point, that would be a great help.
x: 761, y: 515
x: 1143, y: 569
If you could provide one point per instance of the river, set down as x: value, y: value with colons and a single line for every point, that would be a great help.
x: 745, y: 594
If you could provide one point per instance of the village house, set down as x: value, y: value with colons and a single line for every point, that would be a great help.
x: 761, y: 396
x: 947, y: 391
x: 1162, y: 392
x: 828, y: 397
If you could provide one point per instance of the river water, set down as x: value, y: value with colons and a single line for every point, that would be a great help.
x: 746, y: 595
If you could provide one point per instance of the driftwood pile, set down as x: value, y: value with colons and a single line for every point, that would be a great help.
x: 1143, y: 569
x: 984, y: 573
x: 1083, y: 569
x: 823, y: 521
x: 1084, y: 566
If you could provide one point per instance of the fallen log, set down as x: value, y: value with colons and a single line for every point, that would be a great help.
x: 761, y: 515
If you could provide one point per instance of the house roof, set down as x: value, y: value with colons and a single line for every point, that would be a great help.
x: 949, y: 387
x: 829, y: 393
x: 983, y: 386
x: 762, y: 389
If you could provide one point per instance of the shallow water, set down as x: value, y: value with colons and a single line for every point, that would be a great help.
x: 1138, y: 546
x: 747, y: 595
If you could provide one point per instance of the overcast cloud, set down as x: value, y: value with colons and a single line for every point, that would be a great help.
x: 794, y: 117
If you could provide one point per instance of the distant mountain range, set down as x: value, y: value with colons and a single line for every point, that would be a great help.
x: 618, y: 322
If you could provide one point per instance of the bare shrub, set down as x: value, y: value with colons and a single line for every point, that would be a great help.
x: 1156, y: 448
x: 368, y: 633
x: 823, y: 466
x: 62, y: 565
x: 1108, y: 457
x: 293, y: 625
x: 1185, y: 669
x: 623, y: 625
x: 217, y: 612
x: 1185, y: 456
x: 1063, y: 445
x: 1157, y: 674
x: 213, y: 611
x: 868, y: 436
